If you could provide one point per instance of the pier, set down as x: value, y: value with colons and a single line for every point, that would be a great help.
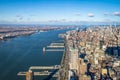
x: 55, y: 71
x: 54, y: 47
x: 44, y: 49
x: 54, y: 50
x: 42, y: 73
x: 44, y: 67
x: 57, y: 44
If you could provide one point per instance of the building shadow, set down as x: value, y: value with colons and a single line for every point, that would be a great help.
x: 113, y: 51
x: 51, y: 75
x: 82, y: 55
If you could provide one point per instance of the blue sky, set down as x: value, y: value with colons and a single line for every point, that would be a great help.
x: 59, y: 11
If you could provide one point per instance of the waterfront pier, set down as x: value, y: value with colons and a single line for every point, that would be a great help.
x: 45, y: 71
x: 42, y: 73
x: 57, y: 44
x: 44, y: 67
x: 54, y: 50
x: 54, y: 47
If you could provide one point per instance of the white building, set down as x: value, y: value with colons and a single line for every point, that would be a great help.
x: 73, y: 56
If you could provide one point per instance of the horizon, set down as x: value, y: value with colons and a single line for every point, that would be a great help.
x: 63, y: 12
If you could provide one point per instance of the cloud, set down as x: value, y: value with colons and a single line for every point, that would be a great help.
x: 78, y: 14
x: 91, y: 15
x: 106, y: 14
x: 61, y: 20
x: 53, y: 21
x: 107, y: 20
x: 28, y: 19
x: 19, y: 17
x: 116, y: 14
x: 32, y: 15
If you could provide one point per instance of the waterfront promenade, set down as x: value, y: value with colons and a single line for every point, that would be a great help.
x: 64, y: 70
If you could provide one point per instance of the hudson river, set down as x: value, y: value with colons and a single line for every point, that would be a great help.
x: 19, y: 53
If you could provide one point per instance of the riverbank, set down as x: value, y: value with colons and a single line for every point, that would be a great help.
x: 14, y: 31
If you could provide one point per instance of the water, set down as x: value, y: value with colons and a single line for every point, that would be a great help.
x: 20, y: 53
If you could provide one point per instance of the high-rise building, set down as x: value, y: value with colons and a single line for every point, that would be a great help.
x: 84, y: 77
x: 74, y: 59
x: 82, y: 67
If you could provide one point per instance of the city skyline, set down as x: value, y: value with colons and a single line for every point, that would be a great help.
x: 59, y: 11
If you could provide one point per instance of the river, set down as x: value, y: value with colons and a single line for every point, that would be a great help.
x: 19, y: 53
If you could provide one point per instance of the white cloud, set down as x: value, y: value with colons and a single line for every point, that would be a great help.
x: 78, y: 14
x: 61, y: 20
x: 20, y: 17
x: 91, y: 15
x: 116, y: 14
x: 106, y: 14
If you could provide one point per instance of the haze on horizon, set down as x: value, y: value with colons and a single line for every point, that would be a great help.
x: 59, y: 11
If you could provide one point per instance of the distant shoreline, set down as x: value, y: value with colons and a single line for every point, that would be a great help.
x: 7, y: 32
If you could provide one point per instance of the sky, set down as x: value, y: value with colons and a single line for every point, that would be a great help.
x: 59, y: 11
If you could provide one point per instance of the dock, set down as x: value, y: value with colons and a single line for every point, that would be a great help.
x: 54, y: 47
x: 57, y: 44
x: 44, y: 67
x: 54, y: 50
x: 42, y: 73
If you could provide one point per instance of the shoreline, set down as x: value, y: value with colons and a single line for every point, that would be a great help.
x: 12, y: 32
